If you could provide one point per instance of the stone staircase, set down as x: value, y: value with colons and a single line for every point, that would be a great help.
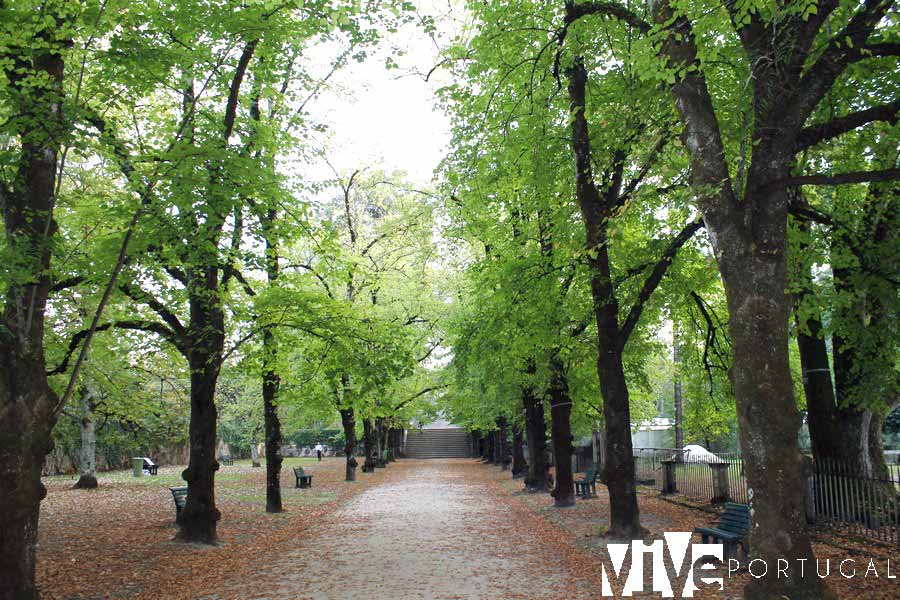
x: 450, y: 442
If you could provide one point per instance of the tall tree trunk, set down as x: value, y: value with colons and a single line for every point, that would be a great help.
x: 271, y: 385
x: 392, y: 444
x: 597, y: 208
x: 676, y: 392
x: 271, y: 380
x: 380, y: 437
x: 348, y: 421
x: 536, y: 436
x: 519, y: 466
x: 254, y: 455
x: 503, y: 446
x: 561, y: 434
x: 370, y: 445
x: 489, y: 447
x: 28, y: 407
x: 755, y: 284
x: 841, y: 434
x: 87, y: 454
x: 498, y: 446
x: 474, y: 443
x: 199, y: 517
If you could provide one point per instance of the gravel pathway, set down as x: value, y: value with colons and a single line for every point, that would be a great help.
x: 432, y: 529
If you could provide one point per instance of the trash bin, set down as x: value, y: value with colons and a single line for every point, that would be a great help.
x: 138, y: 463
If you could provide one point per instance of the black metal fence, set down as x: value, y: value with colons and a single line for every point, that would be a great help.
x: 845, y: 500
x: 839, y: 496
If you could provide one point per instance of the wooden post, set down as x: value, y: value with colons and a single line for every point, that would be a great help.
x: 669, y: 485
x: 721, y: 490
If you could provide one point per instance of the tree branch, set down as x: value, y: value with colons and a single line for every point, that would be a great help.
x: 652, y: 281
x: 843, y: 48
x: 421, y: 393
x: 837, y: 179
x: 814, y: 134
x: 141, y: 296
x: 148, y: 326
x: 235, y: 88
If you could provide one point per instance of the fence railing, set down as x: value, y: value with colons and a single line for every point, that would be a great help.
x: 648, y: 464
x: 839, y: 496
x: 844, y: 500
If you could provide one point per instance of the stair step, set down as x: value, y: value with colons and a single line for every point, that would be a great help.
x: 437, y: 443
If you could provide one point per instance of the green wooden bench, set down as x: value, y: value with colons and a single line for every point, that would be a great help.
x: 587, y: 487
x: 179, y: 495
x: 303, y: 480
x: 731, y: 530
x: 226, y: 460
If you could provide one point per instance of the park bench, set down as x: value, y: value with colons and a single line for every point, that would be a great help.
x: 303, y: 480
x: 731, y: 530
x: 587, y: 487
x: 179, y: 495
x: 226, y: 460
x: 150, y: 467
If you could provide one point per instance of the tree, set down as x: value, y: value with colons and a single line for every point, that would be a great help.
x: 32, y: 62
x: 793, y: 54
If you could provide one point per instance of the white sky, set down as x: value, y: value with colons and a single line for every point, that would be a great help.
x: 388, y: 119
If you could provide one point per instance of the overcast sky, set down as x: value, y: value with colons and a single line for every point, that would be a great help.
x: 387, y: 118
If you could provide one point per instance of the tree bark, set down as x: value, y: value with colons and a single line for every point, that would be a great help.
x: 254, y: 455
x: 271, y: 380
x: 28, y: 407
x: 271, y: 385
x: 381, y: 439
x: 519, y: 466
x: 370, y: 444
x: 348, y: 421
x: 199, y: 517
x: 489, y: 440
x: 839, y: 434
x: 503, y: 436
x: 561, y: 434
x: 536, y: 436
x: 391, y: 444
x: 87, y: 454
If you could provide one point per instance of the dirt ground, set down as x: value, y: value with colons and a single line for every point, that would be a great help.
x: 417, y: 529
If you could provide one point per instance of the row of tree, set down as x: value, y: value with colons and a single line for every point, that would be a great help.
x: 726, y: 169
x: 157, y: 179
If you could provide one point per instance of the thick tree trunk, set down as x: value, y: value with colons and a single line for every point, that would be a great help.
x: 618, y: 472
x: 370, y: 444
x: 755, y: 284
x: 348, y: 421
x: 199, y: 517
x: 28, y: 407
x: 271, y: 385
x: 561, y: 434
x: 536, y: 436
x: 519, y: 466
x: 87, y: 454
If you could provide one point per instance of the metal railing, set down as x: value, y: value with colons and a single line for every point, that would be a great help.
x: 839, y: 497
